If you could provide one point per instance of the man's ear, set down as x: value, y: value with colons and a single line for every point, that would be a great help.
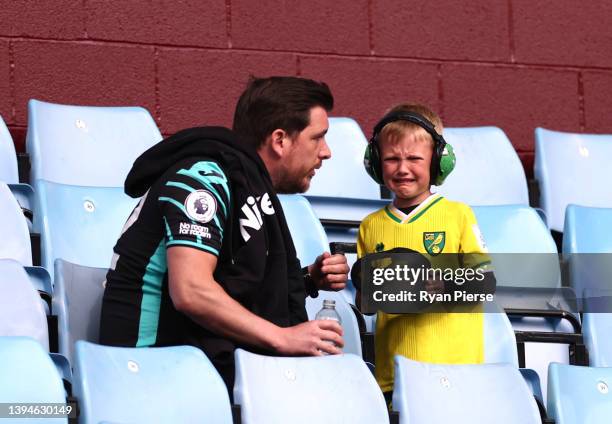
x: 279, y: 142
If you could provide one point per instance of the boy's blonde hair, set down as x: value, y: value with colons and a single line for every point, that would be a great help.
x: 394, y: 131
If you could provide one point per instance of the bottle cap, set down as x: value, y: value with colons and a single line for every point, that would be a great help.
x: 329, y: 303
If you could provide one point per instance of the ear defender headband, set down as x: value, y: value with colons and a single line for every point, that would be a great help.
x: 443, y: 158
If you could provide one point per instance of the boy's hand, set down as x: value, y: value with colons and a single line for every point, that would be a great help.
x: 329, y: 272
x: 434, y: 286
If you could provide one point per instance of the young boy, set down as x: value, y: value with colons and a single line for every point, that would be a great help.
x: 408, y: 155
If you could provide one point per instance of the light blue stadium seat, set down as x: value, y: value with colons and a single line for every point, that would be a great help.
x: 80, y: 157
x: 77, y: 301
x: 310, y: 241
x: 9, y: 172
x: 86, y: 145
x: 597, y: 326
x: 81, y: 224
x: 488, y: 170
x: 13, y: 229
x: 584, y: 229
x: 528, y: 275
x: 499, y: 340
x: 8, y: 157
x: 22, y: 312
x: 344, y: 176
x: 27, y: 375
x: 148, y: 385
x: 571, y: 168
x: 515, y: 234
x: 341, y: 189
x: 587, y: 248
x: 325, y: 389
x: 579, y: 395
x: 514, y: 229
x: 16, y: 241
x: 437, y: 394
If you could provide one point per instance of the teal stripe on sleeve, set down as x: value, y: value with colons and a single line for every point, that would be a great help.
x: 174, y: 202
x: 151, y: 297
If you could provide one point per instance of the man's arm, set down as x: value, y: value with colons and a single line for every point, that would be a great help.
x: 195, y: 293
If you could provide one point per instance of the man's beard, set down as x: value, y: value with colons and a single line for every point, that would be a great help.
x: 291, y: 184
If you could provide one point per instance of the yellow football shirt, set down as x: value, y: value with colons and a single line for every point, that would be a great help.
x: 436, y: 226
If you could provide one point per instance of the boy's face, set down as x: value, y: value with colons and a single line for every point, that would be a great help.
x: 405, y: 168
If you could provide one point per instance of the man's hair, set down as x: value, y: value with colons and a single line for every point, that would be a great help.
x: 394, y: 131
x: 274, y: 103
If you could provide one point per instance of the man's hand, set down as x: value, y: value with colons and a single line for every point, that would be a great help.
x: 329, y: 272
x: 310, y: 338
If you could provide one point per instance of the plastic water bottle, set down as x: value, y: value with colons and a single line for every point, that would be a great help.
x: 329, y: 312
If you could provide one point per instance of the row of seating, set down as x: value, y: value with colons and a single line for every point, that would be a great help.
x: 179, y: 384
x: 488, y: 170
x: 82, y: 209
x: 310, y: 240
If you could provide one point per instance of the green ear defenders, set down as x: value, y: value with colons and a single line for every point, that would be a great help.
x: 443, y: 158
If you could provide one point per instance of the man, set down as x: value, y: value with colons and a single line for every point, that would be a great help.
x: 206, y: 257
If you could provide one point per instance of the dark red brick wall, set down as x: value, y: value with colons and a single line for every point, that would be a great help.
x: 516, y: 64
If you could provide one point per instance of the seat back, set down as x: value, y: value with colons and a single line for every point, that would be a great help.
x: 80, y: 158
x: 597, y: 326
x: 307, y: 232
x: 582, y: 230
x: 499, y: 340
x: 21, y: 310
x: 85, y: 145
x: 587, y: 249
x: 488, y: 170
x: 343, y: 175
x: 29, y: 376
x: 13, y: 229
x: 81, y: 224
x: 596, y: 329
x: 524, y: 253
x: 579, y: 395
x: 585, y: 155
x: 486, y: 393
x: 342, y: 189
x: 527, y: 271
x: 327, y: 389
x: 310, y: 241
x: 77, y: 301
x: 8, y: 157
x: 151, y: 379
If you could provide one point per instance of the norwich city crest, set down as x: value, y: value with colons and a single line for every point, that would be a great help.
x: 434, y: 242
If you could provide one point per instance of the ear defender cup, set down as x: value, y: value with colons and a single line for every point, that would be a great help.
x: 442, y: 161
x: 446, y: 164
x: 372, y: 163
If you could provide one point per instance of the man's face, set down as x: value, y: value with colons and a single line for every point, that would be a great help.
x: 405, y: 168
x: 308, y: 149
